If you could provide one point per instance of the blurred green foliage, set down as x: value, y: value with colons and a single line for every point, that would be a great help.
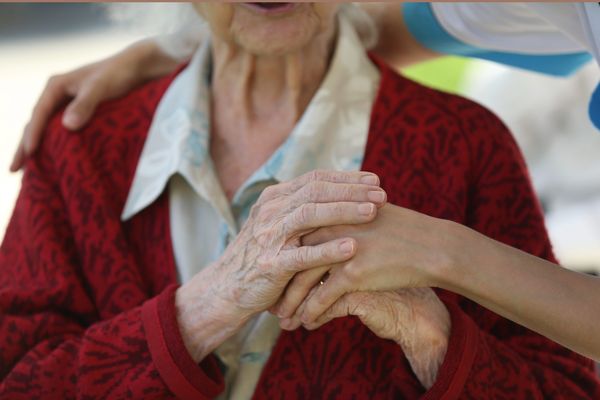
x: 447, y: 73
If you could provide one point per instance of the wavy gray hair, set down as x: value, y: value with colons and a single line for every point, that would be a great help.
x: 179, y: 29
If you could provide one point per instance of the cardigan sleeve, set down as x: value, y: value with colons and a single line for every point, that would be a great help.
x: 56, y: 341
x: 489, y: 356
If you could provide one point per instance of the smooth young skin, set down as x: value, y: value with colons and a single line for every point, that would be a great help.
x: 428, y: 252
x: 553, y: 301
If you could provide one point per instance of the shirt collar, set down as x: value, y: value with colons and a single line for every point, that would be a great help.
x: 178, y: 132
x: 331, y: 134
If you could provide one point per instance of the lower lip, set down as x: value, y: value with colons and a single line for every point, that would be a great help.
x: 272, y: 9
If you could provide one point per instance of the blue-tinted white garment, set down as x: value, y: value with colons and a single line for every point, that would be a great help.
x: 551, y: 38
x: 331, y: 134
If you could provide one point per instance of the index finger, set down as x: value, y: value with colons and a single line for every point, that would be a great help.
x: 356, y: 177
x: 350, y: 177
x: 52, y: 97
x: 292, y: 186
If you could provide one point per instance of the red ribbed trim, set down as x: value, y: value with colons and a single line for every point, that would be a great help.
x: 181, y: 374
x: 460, y: 355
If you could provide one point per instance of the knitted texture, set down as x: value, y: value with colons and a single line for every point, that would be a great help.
x: 87, y: 301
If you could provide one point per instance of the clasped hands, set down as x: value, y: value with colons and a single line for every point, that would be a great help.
x: 383, y: 283
x: 376, y: 258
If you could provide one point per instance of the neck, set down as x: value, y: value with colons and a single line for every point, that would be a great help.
x: 267, y: 89
x: 256, y: 102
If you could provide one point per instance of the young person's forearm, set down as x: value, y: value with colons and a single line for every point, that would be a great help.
x: 551, y: 300
x: 148, y: 59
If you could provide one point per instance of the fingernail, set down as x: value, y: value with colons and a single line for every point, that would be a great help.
x: 273, y: 309
x: 285, y: 323
x: 376, y: 196
x: 310, y: 327
x: 290, y: 324
x: 370, y: 179
x: 366, y: 208
x: 13, y: 164
x: 27, y: 145
x: 70, y: 120
x: 347, y: 246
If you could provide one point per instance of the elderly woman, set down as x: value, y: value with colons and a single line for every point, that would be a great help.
x: 143, y: 253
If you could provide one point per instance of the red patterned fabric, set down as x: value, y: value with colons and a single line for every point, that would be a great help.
x: 86, y: 301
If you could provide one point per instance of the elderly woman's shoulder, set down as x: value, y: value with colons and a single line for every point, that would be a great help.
x: 105, y: 152
x: 117, y: 129
x: 426, y: 109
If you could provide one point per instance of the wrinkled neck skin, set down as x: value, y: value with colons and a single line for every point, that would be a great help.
x: 257, y: 100
x: 255, y: 89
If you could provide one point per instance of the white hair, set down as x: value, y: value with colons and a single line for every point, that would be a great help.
x: 179, y: 29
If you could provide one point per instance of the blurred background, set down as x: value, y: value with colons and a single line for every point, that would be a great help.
x: 547, y: 115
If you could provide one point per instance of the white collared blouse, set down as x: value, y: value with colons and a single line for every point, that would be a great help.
x: 331, y: 134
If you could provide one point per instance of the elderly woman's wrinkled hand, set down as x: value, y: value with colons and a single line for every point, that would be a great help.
x: 416, y: 319
x: 256, y: 267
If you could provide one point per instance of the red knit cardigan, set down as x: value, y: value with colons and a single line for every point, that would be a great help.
x: 86, y: 301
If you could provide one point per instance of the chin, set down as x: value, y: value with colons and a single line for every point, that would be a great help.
x: 276, y: 35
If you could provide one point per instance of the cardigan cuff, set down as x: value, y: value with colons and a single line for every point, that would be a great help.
x: 462, y: 346
x: 185, y: 378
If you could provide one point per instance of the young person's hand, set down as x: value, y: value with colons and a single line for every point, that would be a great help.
x: 399, y: 249
x: 84, y: 88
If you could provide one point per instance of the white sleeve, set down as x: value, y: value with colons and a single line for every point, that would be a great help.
x: 527, y: 28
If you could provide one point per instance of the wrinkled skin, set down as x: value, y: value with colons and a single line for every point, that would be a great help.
x: 256, y: 267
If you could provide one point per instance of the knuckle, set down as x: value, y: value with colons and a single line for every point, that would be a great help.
x: 94, y: 80
x: 298, y: 215
x: 302, y: 279
x: 299, y: 257
x: 314, y: 175
x: 352, y: 272
x: 303, y: 179
x: 54, y: 81
x: 318, y: 302
x: 312, y: 190
x: 264, y: 236
x: 266, y: 211
x: 254, y: 210
x: 265, y: 264
x: 268, y: 193
x: 305, y: 213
